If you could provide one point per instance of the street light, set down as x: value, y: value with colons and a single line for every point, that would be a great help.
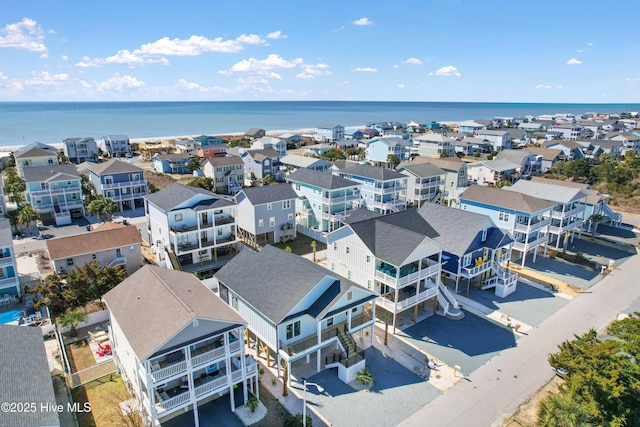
x: 304, y: 399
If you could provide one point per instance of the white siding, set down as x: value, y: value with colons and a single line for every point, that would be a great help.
x: 259, y: 325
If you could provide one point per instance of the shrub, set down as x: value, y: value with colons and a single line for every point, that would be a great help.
x: 252, y: 403
x: 364, y: 376
x: 296, y: 421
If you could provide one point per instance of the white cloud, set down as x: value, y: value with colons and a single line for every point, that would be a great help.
x: 362, y: 22
x: 401, y: 86
x: 46, y: 79
x: 632, y: 79
x: 396, y: 66
x: 449, y: 70
x: 119, y: 83
x: 262, y: 66
x: 543, y: 86
x: 310, y: 71
x: 156, y: 52
x: 64, y: 57
x: 574, y: 61
x: 589, y: 44
x: 414, y: 61
x: 44, y: 56
x: 276, y: 35
x: 580, y: 50
x: 337, y: 30
x: 26, y: 34
x: 364, y: 70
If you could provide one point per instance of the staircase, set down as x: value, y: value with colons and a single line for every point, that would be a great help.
x: 347, y: 341
x: 503, y: 281
x: 449, y: 304
x: 175, y: 264
x: 614, y: 216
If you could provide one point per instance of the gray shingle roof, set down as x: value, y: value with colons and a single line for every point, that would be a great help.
x: 320, y: 179
x: 225, y: 161
x: 394, y: 237
x: 113, y: 166
x: 373, y: 172
x: 25, y: 377
x: 269, y: 193
x: 154, y: 304
x: 303, y: 161
x: 508, y: 200
x: 176, y: 194
x: 45, y: 173
x: 422, y: 170
x: 260, y: 155
x: 6, y: 238
x: 34, y: 152
x: 548, y: 191
x: 274, y: 282
x: 458, y: 229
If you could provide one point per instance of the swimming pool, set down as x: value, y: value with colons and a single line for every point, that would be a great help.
x: 10, y: 316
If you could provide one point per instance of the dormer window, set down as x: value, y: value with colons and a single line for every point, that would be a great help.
x: 484, y: 234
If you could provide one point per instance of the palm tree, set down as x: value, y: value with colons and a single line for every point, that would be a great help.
x: 72, y: 319
x: 562, y: 410
x: 313, y: 246
x: 27, y: 215
x: 595, y: 220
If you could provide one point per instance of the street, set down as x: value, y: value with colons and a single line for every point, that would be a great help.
x: 495, y: 390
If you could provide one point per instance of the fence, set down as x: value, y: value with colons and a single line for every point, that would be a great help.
x: 314, y: 234
x: 92, y: 319
x: 92, y: 373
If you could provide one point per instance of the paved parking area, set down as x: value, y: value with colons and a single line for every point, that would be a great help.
x: 396, y: 394
x: 468, y: 343
x: 212, y: 414
x: 528, y: 304
x: 571, y: 274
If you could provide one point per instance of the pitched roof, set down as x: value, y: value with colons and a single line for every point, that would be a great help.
x: 395, y: 236
x: 34, y: 152
x: 500, y: 165
x: 422, y: 170
x: 225, y: 161
x: 447, y: 163
x: 173, y: 156
x: 373, y: 172
x: 25, y: 377
x: 50, y: 173
x: 268, y: 193
x: 108, y: 236
x: 500, y: 198
x: 176, y: 194
x: 6, y: 238
x: 515, y: 156
x: 458, y: 229
x: 548, y: 191
x: 260, y: 155
x: 319, y: 179
x: 303, y: 161
x: 274, y: 282
x: 113, y: 166
x: 565, y: 142
x: 154, y: 304
x: 546, y: 153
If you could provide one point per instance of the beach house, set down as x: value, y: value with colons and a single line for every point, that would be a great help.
x: 394, y: 256
x: 382, y: 190
x: 227, y: 173
x: 119, y: 181
x: 292, y: 162
x: 115, y: 145
x: 299, y: 313
x: 190, y: 228
x: 278, y: 144
x: 9, y: 280
x: 493, y: 172
x: 55, y: 192
x: 434, y: 145
x: 324, y: 201
x: 177, y: 345
x: 475, y: 249
x: 171, y: 163
x: 210, y: 146
x: 35, y: 155
x: 328, y: 133
x: 424, y: 183
x: 266, y: 214
x: 500, y: 139
x: 110, y: 245
x: 525, y: 218
x: 455, y: 179
x: 379, y: 149
x: 568, y: 214
x: 260, y: 163
x: 80, y: 150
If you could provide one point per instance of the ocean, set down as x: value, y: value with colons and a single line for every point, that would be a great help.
x: 51, y: 122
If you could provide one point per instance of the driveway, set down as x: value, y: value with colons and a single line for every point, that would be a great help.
x: 212, y: 414
x: 571, y: 274
x: 468, y: 343
x: 528, y: 303
x: 396, y: 394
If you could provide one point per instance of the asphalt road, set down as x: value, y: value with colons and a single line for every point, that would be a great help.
x: 495, y: 390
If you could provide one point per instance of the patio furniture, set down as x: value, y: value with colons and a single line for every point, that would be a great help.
x: 99, y: 337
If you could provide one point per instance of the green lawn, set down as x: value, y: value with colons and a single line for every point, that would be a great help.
x: 301, y: 245
x: 104, y: 395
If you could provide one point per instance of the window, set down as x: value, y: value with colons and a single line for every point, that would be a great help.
x: 94, y: 256
x: 333, y: 267
x: 298, y: 187
x: 290, y: 216
x: 330, y: 322
x: 466, y: 260
x: 178, y: 217
x: 234, y: 301
x: 132, y: 249
x: 272, y: 221
x: 261, y: 222
x: 503, y: 216
x: 350, y: 293
x: 349, y: 277
x: 347, y: 250
x: 484, y: 234
x: 286, y: 204
x: 368, y: 284
x: 69, y: 262
x: 118, y: 253
x: 293, y: 330
x: 269, y: 206
x: 335, y: 246
x: 368, y: 258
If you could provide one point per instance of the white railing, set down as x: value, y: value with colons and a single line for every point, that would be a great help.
x: 447, y: 294
x: 236, y: 375
x: 171, y: 403
x: 443, y: 303
x: 6, y: 260
x: 169, y: 371
x: 211, y: 386
x: 525, y: 228
x: 474, y: 271
x: 117, y: 261
x: 386, y: 304
x: 56, y: 191
x: 413, y: 277
x: 525, y: 246
x: 207, y: 357
x: 235, y: 346
x: 139, y: 183
x: 251, y: 366
x: 387, y: 190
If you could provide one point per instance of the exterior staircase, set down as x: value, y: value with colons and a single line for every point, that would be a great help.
x: 347, y: 341
x: 615, y: 217
x: 448, y: 303
x: 173, y: 259
x: 504, y: 281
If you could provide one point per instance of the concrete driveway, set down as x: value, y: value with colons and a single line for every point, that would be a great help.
x: 468, y: 343
x: 396, y: 394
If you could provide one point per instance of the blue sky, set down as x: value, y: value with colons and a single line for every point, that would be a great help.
x: 422, y: 50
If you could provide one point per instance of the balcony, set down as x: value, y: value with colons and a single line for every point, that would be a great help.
x: 227, y: 219
x: 535, y: 225
x: 531, y: 243
x: 164, y: 401
x: 162, y: 369
x: 393, y: 189
x: 409, y: 274
x: 6, y: 260
x: 8, y: 281
x: 577, y: 222
x: 183, y: 228
x: 56, y: 191
x: 387, y: 301
x: 113, y: 185
x: 340, y: 199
